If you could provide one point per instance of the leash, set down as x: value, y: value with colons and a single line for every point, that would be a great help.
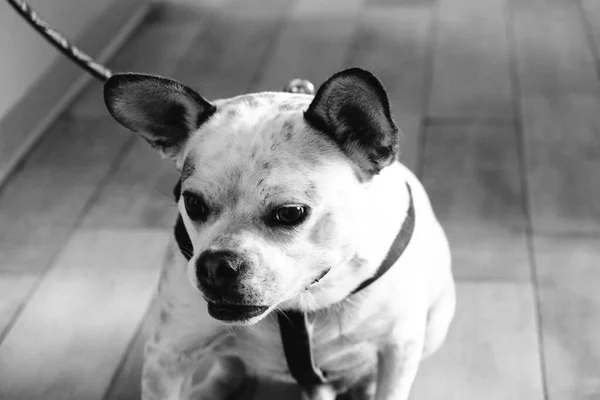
x: 76, y: 55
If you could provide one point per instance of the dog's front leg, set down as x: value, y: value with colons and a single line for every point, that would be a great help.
x: 169, y: 375
x: 397, y: 367
x: 164, y: 373
x: 182, y: 360
x: 318, y: 392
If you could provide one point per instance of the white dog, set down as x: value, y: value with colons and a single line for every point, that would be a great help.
x: 314, y: 256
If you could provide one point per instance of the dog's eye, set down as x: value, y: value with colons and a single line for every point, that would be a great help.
x: 290, y: 215
x: 196, y: 207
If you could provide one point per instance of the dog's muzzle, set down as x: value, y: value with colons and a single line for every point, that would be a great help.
x: 218, y: 272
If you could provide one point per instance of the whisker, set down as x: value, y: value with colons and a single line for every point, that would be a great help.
x: 168, y: 195
x: 169, y: 205
x: 232, y: 329
x: 281, y: 312
x: 187, y: 252
x: 361, y: 262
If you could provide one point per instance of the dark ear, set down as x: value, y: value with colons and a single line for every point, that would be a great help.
x: 353, y: 109
x: 163, y: 111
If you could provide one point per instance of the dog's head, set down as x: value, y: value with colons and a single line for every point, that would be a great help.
x: 272, y: 184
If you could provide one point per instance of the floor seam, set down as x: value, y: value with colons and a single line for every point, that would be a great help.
x: 427, y: 80
x: 524, y: 182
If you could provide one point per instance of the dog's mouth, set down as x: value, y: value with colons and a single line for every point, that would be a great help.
x: 234, y: 312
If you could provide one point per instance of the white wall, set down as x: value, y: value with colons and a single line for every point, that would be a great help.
x: 24, y: 55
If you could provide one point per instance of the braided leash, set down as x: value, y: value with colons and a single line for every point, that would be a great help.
x: 86, y: 62
x: 59, y: 41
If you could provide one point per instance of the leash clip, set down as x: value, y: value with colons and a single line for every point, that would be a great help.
x: 299, y: 86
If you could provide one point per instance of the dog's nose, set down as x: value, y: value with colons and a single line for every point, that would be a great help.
x: 217, y: 269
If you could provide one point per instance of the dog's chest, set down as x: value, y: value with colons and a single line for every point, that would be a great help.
x: 345, y: 351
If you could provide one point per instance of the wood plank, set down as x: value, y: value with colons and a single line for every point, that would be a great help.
x: 471, y: 173
x: 591, y: 13
x: 555, y: 60
x: 181, y: 12
x: 14, y: 288
x: 491, y: 352
x: 233, y: 47
x: 154, y: 49
x: 41, y: 202
x: 313, y: 29
x: 404, y: 3
x: 562, y: 147
x: 138, y: 194
x: 560, y: 132
x: 71, y: 335
x: 392, y: 43
x: 569, y: 276
x: 537, y: 4
x: 471, y: 76
x: 128, y: 378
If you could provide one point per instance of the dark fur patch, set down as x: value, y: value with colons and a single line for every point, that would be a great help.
x: 288, y: 107
x: 175, y: 116
x: 177, y: 190
x: 235, y: 175
x: 252, y: 102
x: 266, y: 96
x: 287, y: 130
x: 163, y: 316
x: 183, y: 239
x: 181, y: 236
x: 311, y: 191
x: 189, y: 167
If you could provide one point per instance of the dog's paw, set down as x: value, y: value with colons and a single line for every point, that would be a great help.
x: 225, y: 376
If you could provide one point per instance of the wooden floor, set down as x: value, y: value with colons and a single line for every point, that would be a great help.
x: 499, y: 104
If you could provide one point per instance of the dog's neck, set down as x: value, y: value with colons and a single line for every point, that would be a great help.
x: 294, y: 325
x: 373, y: 233
x: 398, y: 245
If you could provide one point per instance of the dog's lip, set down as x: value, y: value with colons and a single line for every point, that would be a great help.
x: 235, y: 312
x: 317, y: 279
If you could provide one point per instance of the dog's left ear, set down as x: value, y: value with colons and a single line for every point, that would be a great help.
x: 163, y: 111
x: 353, y: 109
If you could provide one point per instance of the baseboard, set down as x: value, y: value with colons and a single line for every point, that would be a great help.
x: 25, y: 122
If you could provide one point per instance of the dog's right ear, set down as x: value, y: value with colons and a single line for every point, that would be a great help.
x: 352, y: 109
x: 163, y: 111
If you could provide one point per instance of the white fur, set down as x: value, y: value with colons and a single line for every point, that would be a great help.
x: 390, y: 325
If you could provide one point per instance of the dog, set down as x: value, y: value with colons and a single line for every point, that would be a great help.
x: 313, y: 254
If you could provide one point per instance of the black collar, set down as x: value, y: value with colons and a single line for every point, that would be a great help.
x: 293, y: 325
